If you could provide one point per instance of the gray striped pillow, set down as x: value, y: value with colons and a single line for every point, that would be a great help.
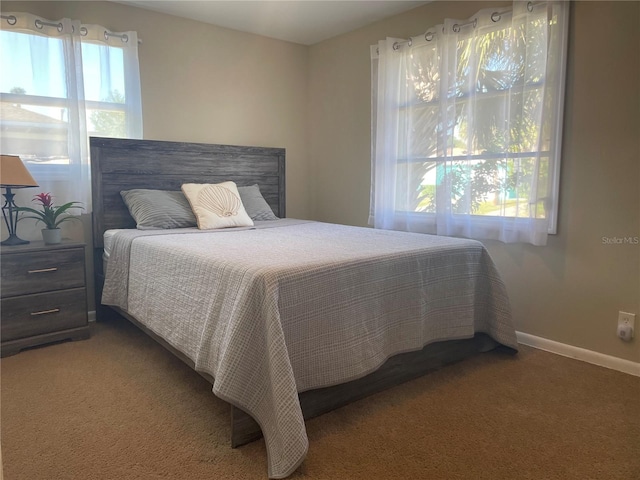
x: 255, y: 204
x: 158, y: 209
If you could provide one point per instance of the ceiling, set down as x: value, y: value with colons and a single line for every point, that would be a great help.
x: 299, y: 21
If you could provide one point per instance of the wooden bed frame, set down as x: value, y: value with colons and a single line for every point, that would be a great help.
x: 118, y: 164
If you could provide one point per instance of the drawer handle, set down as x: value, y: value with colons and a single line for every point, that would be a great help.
x: 45, y: 312
x: 43, y: 270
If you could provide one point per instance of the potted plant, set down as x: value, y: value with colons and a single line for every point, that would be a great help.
x: 50, y: 215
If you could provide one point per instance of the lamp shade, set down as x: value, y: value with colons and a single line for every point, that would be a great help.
x: 14, y: 174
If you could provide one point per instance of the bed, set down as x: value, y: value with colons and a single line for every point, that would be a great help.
x: 287, y: 319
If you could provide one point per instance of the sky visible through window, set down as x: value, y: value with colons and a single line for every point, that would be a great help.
x: 37, y: 68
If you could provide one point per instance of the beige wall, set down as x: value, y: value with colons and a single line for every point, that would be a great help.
x: 315, y: 102
x: 202, y: 83
x: 571, y: 290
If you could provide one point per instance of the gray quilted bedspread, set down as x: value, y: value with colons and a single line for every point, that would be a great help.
x: 290, y: 306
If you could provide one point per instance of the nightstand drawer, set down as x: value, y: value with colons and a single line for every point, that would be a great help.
x: 42, y: 271
x: 43, y: 313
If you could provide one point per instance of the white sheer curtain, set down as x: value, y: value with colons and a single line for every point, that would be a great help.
x: 112, y: 81
x: 62, y: 82
x: 467, y: 123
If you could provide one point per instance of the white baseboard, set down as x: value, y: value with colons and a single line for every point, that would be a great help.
x: 607, y: 361
x: 558, y: 348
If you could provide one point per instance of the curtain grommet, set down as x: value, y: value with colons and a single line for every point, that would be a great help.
x: 11, y: 19
x: 40, y: 24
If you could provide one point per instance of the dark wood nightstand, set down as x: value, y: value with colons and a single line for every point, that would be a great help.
x: 44, y: 295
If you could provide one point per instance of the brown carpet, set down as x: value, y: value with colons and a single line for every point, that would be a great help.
x: 118, y: 406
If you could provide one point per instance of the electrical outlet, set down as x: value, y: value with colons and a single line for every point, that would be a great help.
x: 626, y: 325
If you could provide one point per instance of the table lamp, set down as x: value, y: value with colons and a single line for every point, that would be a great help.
x: 13, y: 174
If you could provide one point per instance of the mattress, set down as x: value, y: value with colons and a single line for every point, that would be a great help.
x: 291, y: 305
x: 108, y: 241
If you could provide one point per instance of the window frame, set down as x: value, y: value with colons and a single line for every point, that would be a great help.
x: 551, y: 155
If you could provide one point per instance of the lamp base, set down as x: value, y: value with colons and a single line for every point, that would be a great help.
x: 14, y: 240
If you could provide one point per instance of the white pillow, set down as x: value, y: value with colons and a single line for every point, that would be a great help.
x: 216, y: 205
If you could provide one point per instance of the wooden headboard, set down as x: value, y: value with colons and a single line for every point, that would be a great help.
x: 123, y: 164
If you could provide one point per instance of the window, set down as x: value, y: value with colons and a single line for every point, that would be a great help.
x: 466, y: 126
x: 63, y: 82
x: 108, y: 114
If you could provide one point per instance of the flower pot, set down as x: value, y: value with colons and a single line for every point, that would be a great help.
x: 51, y: 235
